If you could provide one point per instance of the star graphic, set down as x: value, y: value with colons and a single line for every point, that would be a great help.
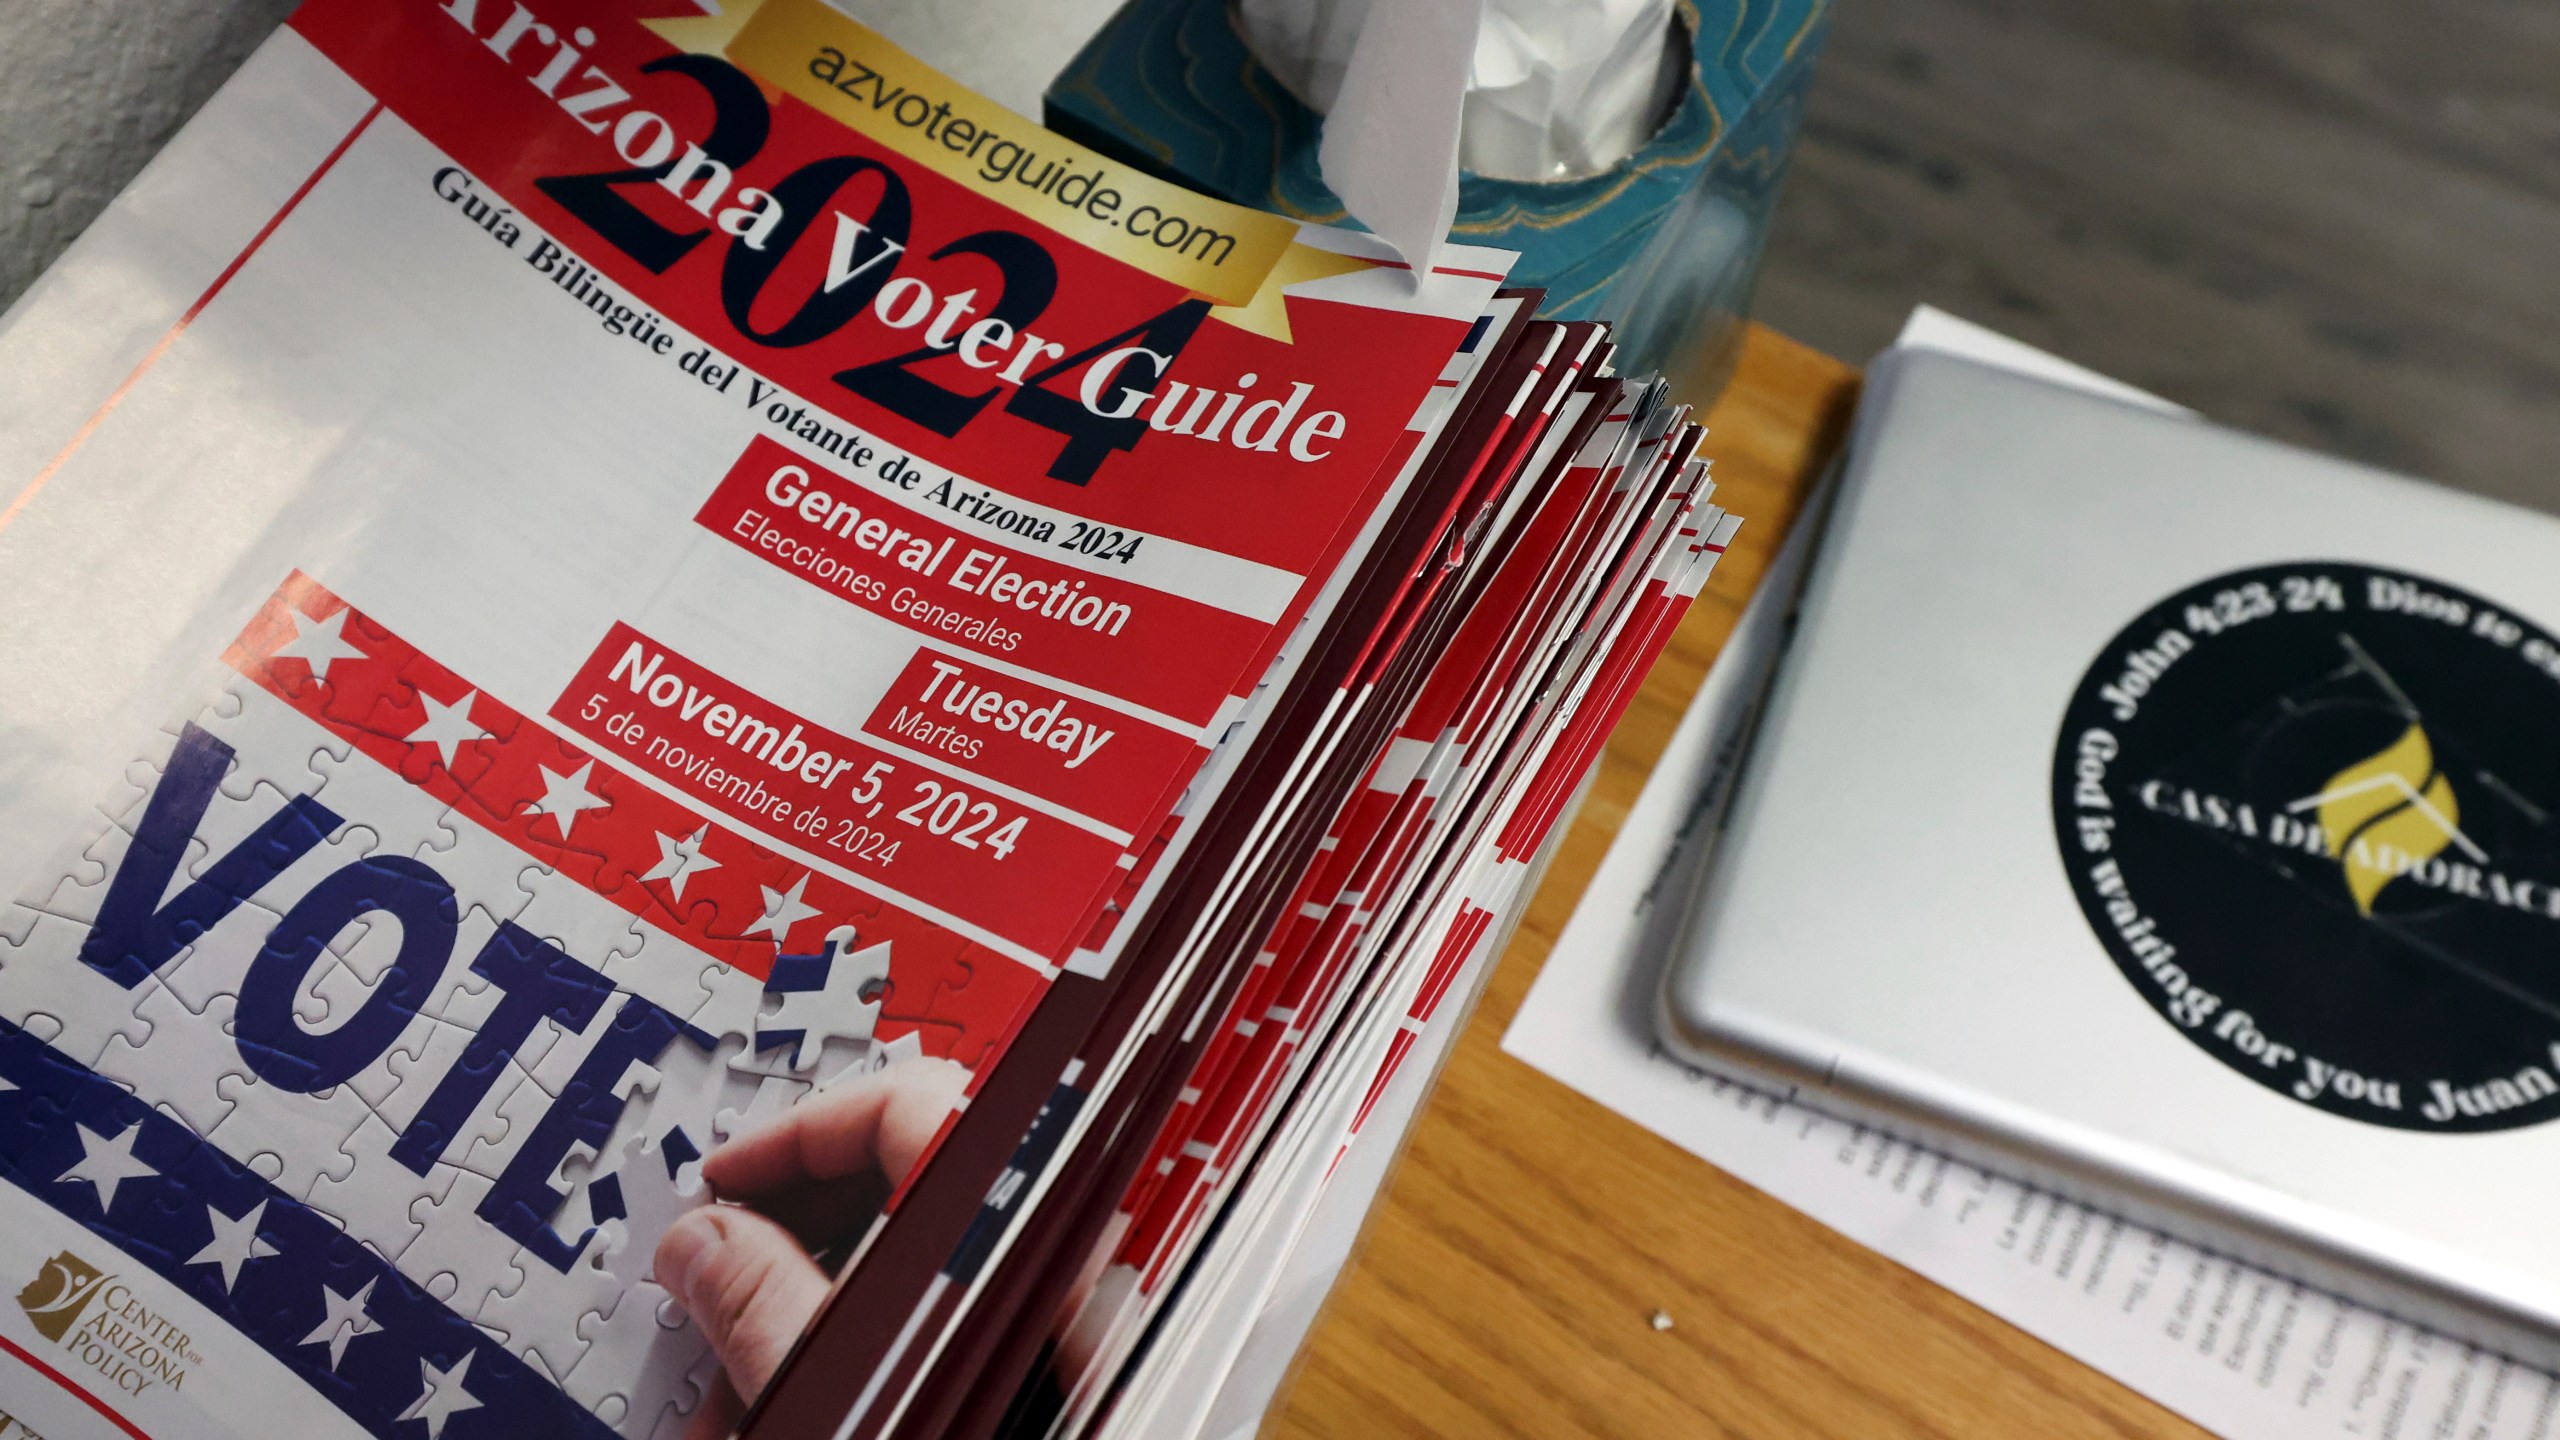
x: 107, y: 1163
x: 344, y: 1321
x: 448, y: 727
x: 681, y: 860
x: 443, y: 1396
x: 563, y: 796
x: 317, y: 643
x: 235, y: 1243
x: 782, y: 910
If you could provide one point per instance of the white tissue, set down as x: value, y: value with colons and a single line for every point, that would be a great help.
x: 1412, y: 90
x: 1305, y: 44
x: 1390, y: 146
x: 1567, y: 88
x: 1556, y: 89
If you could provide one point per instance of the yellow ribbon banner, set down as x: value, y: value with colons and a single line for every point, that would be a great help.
x: 853, y: 75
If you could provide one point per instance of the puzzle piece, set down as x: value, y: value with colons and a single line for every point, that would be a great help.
x: 540, y: 1313
x: 402, y: 819
x: 774, y: 1061
x: 675, y: 1419
x: 167, y: 1212
x: 485, y: 870
x: 572, y: 1172
x: 212, y: 966
x: 122, y: 805
x: 431, y: 719
x: 550, y: 1056
x: 830, y: 995
x: 368, y: 946
x: 655, y: 1184
x: 81, y: 872
x: 269, y: 740
x: 685, y: 1093
x: 269, y: 753
x: 957, y: 1021
x: 879, y: 1057
x: 500, y: 1123
x: 463, y: 997
x: 671, y: 974
x: 513, y: 1099
x: 460, y: 1002
x: 373, y: 1201
x: 396, y: 1085
x: 399, y: 1082
x: 697, y: 1086
x: 306, y: 753
x: 189, y: 1057
x: 733, y: 1000
x: 44, y: 976
x: 594, y: 930
x: 305, y: 1133
x: 454, y: 1256
x: 637, y: 1082
x: 547, y: 796
x: 774, y: 1094
x: 230, y: 820
x: 636, y: 1363
x: 324, y: 985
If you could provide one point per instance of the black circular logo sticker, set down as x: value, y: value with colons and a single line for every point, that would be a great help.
x: 2313, y: 811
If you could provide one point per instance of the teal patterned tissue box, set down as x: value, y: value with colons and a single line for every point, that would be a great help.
x: 1664, y: 243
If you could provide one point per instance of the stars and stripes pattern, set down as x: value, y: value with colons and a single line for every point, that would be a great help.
x: 722, y: 890
x: 396, y: 1360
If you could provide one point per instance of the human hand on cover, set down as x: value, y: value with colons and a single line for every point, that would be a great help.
x: 812, y: 1174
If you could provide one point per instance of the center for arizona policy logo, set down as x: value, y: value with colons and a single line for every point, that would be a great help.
x: 59, y: 1293
x: 103, y: 1325
x: 2310, y: 811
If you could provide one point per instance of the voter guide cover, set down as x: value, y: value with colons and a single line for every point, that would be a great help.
x: 580, y: 574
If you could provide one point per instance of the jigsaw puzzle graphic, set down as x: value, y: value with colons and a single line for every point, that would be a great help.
x: 396, y: 1028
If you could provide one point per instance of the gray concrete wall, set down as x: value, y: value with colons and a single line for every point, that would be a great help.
x: 89, y: 89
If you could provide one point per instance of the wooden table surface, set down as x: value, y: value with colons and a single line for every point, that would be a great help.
x: 1506, y: 1281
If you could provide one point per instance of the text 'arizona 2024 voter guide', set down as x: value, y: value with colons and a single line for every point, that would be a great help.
x: 579, y: 574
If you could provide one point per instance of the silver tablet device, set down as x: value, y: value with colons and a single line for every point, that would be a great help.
x: 2171, y: 817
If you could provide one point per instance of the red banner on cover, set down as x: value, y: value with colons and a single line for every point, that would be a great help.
x: 983, y: 858
x: 1161, y: 651
x: 1092, y: 759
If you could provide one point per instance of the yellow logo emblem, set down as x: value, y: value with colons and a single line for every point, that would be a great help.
x: 2386, y: 814
x: 54, y: 1299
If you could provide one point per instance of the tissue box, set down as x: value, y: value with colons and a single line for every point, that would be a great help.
x: 1665, y: 243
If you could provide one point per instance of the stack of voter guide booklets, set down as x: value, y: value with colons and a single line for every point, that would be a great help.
x: 583, y: 576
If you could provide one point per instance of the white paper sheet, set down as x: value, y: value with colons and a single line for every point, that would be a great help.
x: 2237, y: 1349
